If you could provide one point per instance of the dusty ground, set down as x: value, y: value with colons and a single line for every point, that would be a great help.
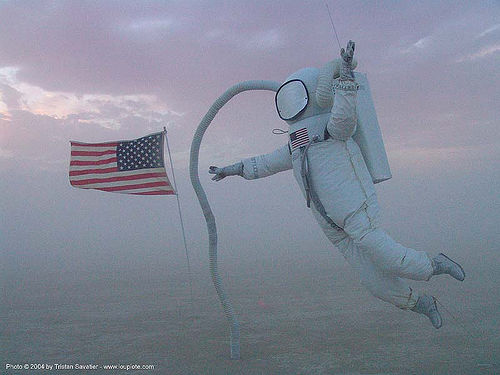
x: 297, y: 317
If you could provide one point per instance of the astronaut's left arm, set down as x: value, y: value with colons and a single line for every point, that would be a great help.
x: 343, y: 118
x: 256, y: 166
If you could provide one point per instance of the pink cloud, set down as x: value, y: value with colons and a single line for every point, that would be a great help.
x: 91, y: 57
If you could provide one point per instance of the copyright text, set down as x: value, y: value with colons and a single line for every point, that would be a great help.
x: 76, y: 366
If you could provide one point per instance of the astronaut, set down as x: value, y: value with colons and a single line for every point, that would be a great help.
x: 334, y: 179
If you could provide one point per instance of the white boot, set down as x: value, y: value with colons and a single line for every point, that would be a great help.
x: 427, y: 305
x: 442, y: 264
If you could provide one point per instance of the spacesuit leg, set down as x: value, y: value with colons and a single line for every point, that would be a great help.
x: 388, y: 255
x: 386, y: 287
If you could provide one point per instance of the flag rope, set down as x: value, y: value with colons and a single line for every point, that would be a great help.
x: 190, y: 275
x: 333, y: 25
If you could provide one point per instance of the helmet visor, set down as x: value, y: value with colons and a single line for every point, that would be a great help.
x: 291, y: 99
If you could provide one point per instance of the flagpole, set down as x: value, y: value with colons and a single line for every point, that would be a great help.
x: 180, y: 218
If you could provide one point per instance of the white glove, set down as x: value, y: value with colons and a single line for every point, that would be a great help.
x: 346, y: 68
x: 230, y: 170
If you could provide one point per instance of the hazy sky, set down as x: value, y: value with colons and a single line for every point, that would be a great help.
x: 107, y: 70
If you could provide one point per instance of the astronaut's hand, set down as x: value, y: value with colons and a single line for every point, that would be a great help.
x: 218, y: 172
x: 230, y: 170
x: 347, y: 55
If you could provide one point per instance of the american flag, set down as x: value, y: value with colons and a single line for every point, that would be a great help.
x: 127, y: 167
x: 299, y: 138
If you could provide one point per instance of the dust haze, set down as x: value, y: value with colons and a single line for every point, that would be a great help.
x: 93, y: 277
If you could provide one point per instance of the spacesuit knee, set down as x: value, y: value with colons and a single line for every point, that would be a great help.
x: 388, y: 255
x: 393, y: 258
x: 389, y: 289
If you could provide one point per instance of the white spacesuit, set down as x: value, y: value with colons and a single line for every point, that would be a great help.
x: 332, y: 174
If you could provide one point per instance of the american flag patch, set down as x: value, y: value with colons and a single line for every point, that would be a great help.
x: 299, y: 138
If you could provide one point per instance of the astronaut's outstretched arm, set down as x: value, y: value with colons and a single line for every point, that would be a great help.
x: 257, y: 166
x: 343, y: 119
x: 267, y: 164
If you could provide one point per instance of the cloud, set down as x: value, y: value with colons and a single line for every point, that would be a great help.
x: 103, y: 109
x: 148, y: 25
x: 124, y: 47
x: 6, y: 154
x: 256, y: 40
x: 4, y: 109
x: 10, y: 97
x: 418, y: 45
x: 489, y: 30
x: 112, y: 65
x: 36, y: 124
x: 268, y: 39
x: 484, y: 52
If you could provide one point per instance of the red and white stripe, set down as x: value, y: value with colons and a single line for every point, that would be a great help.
x: 300, y: 138
x: 94, y: 166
